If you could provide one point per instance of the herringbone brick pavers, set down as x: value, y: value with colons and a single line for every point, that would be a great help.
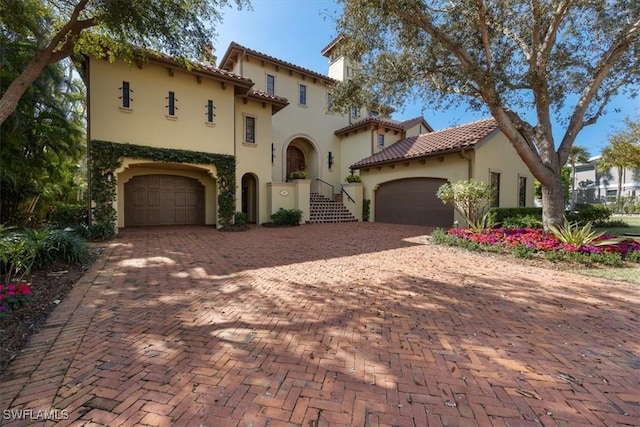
x: 327, y: 325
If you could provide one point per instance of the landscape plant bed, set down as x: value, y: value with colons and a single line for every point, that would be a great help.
x: 49, y: 287
x: 533, y: 242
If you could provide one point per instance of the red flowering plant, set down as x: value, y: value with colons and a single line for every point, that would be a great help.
x: 14, y: 296
x: 539, y: 240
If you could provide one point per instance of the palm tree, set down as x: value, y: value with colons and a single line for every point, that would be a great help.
x: 623, y: 152
x: 577, y: 155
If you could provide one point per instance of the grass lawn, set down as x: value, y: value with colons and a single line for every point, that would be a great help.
x: 633, y: 229
x: 628, y: 274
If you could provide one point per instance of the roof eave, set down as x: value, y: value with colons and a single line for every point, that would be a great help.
x: 408, y: 159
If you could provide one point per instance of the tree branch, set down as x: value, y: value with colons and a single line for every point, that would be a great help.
x: 52, y: 53
x: 606, y: 62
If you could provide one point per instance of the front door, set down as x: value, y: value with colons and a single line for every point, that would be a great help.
x: 295, y: 160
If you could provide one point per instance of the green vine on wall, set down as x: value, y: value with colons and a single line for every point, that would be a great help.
x: 108, y: 156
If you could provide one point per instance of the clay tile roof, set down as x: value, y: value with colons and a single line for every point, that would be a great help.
x: 202, y: 68
x: 331, y: 44
x: 412, y: 122
x: 368, y: 121
x: 433, y: 143
x: 277, y: 102
x: 235, y: 48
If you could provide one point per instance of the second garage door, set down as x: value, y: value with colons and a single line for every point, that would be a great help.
x: 163, y: 200
x: 412, y: 201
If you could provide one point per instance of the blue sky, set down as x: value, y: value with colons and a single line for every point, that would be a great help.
x: 297, y: 30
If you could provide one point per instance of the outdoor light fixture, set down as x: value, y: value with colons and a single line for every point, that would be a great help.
x: 109, y: 176
x: 273, y: 153
x: 330, y: 159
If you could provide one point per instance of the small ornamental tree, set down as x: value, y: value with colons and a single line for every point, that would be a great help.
x: 470, y: 198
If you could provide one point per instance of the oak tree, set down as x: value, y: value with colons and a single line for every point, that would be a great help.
x: 530, y: 63
x: 178, y: 28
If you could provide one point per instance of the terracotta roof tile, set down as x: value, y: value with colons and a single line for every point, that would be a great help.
x: 412, y: 122
x: 366, y: 122
x: 196, y: 67
x: 277, y: 102
x: 433, y: 143
x: 239, y: 48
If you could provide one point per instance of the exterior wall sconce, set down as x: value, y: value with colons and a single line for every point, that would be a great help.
x: 330, y: 160
x: 273, y: 153
x: 108, y: 176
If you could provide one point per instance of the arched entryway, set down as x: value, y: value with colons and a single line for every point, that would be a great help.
x: 301, y: 152
x: 250, y: 197
x: 295, y: 160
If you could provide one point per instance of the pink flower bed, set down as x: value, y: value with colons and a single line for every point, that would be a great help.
x: 537, y: 239
x: 13, y: 295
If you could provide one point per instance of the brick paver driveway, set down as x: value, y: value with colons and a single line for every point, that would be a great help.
x: 328, y: 325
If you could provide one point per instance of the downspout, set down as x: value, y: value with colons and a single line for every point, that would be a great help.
x: 89, y: 162
x: 464, y: 155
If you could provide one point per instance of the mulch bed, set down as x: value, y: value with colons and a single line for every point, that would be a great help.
x: 49, y: 286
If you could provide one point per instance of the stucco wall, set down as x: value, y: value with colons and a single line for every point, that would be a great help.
x: 453, y: 168
x: 498, y: 155
x: 146, y: 122
x: 254, y: 158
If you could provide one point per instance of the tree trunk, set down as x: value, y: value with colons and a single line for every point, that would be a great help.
x: 553, y: 203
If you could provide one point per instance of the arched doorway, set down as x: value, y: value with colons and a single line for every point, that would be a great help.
x: 250, y: 197
x: 295, y: 160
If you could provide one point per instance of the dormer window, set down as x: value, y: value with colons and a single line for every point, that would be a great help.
x: 380, y: 140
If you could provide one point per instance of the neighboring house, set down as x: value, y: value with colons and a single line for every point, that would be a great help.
x: 269, y: 118
x: 593, y: 185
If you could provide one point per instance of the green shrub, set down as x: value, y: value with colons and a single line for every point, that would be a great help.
x: 501, y: 214
x: 299, y: 174
x: 441, y: 237
x: 62, y: 246
x: 469, y: 198
x: 526, y: 221
x: 353, y: 178
x: 287, y: 216
x: 522, y: 251
x: 633, y: 256
x: 366, y: 209
x: 18, y: 251
x: 63, y: 214
x: 612, y: 223
x: 105, y: 231
x: 240, y: 218
x: 589, y: 213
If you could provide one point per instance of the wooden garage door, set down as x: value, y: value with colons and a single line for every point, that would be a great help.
x: 163, y: 200
x: 412, y: 201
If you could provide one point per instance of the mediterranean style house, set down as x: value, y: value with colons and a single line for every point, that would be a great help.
x: 171, y: 143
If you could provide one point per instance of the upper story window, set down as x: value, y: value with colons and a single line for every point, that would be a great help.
x: 380, y: 140
x: 126, y: 95
x: 302, y: 100
x: 355, y: 112
x: 171, y: 108
x: 210, y: 111
x: 271, y: 84
x: 329, y: 101
x: 494, y: 178
x: 250, y: 130
x: 373, y: 113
